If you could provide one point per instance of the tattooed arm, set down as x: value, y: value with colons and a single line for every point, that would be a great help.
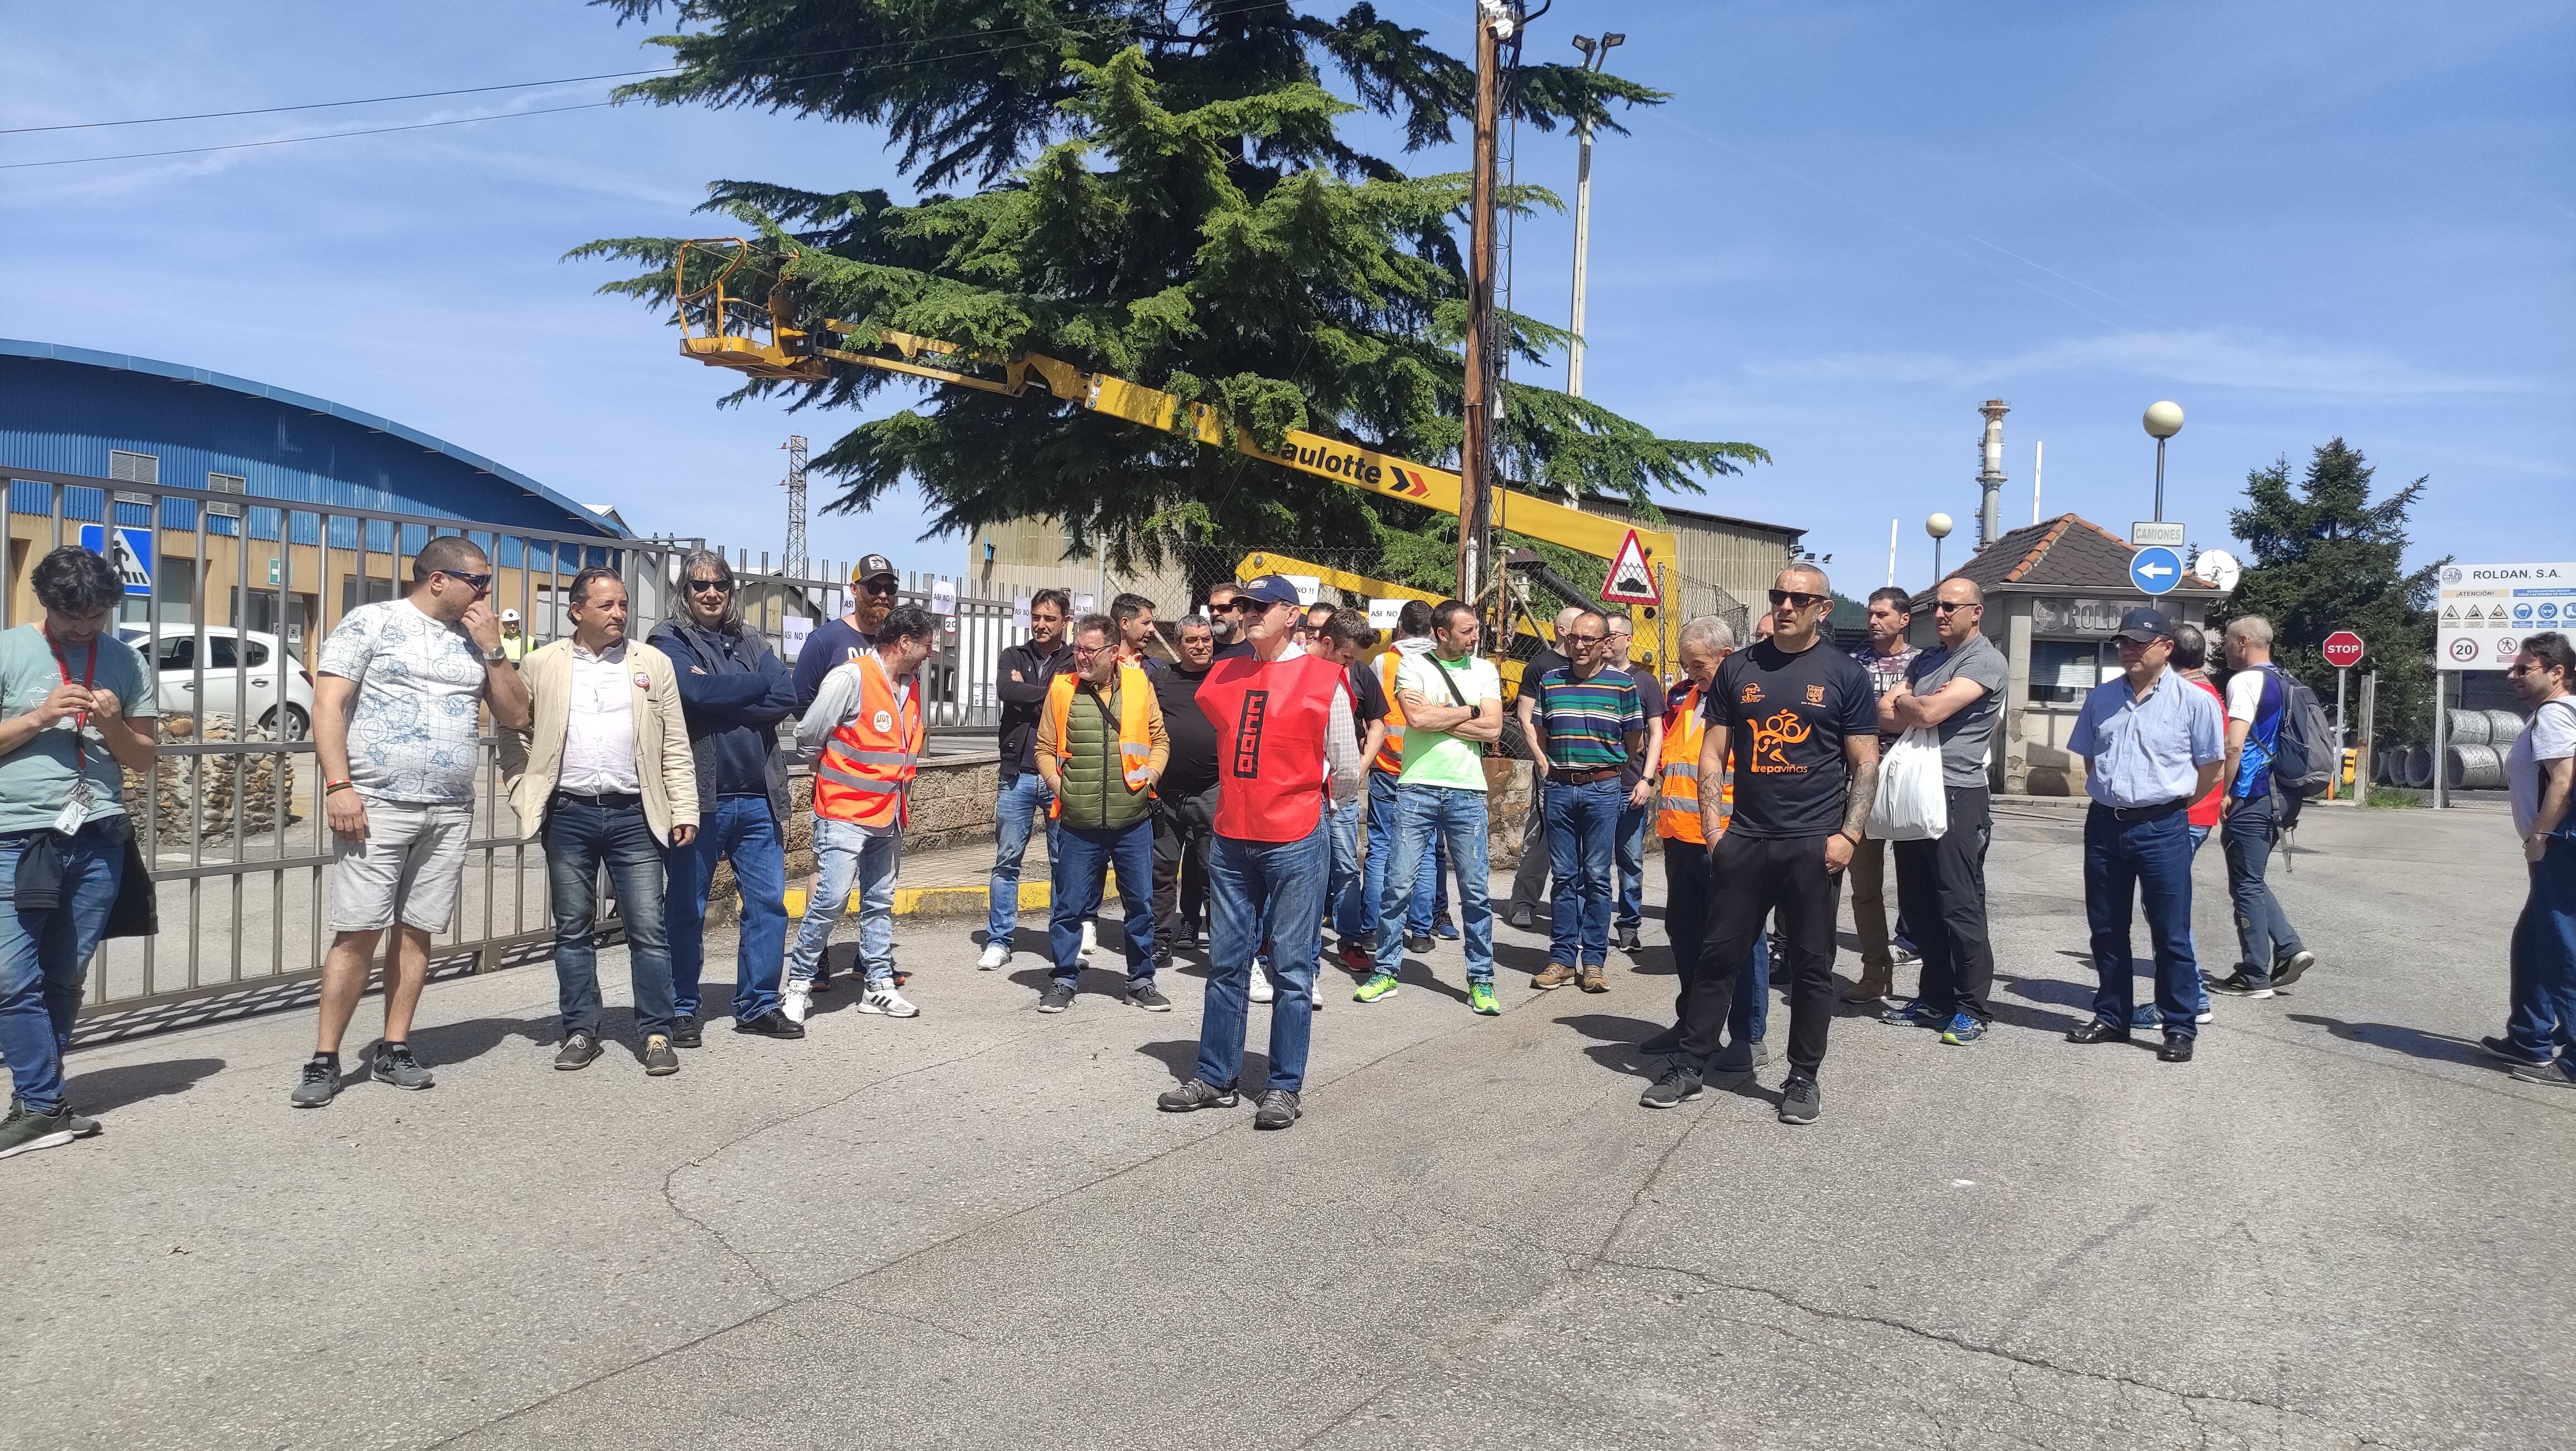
x: 1862, y: 751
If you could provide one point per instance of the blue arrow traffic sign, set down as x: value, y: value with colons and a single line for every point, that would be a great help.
x: 2155, y: 569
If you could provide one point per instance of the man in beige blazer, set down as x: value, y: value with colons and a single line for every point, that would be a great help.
x: 608, y: 780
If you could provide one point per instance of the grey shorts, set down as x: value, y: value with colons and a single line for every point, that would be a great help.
x: 410, y: 864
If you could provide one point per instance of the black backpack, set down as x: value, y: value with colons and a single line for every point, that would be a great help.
x: 2303, y: 753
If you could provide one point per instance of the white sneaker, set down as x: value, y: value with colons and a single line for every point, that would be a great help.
x: 886, y: 1002
x: 995, y: 955
x: 1261, y: 989
x: 1090, y: 940
x: 796, y: 1002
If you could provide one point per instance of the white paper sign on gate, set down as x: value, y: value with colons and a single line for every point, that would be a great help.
x: 1382, y: 613
x: 792, y: 633
x: 943, y: 596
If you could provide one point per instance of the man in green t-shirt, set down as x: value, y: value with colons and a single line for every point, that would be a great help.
x: 76, y: 713
x: 1453, y: 709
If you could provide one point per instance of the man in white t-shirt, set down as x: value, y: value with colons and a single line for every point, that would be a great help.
x: 1453, y: 709
x: 2270, y: 954
x: 2539, y: 1041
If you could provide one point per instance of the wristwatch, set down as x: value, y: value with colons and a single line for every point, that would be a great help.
x: 496, y: 656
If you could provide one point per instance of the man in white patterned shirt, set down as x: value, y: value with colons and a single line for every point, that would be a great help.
x: 396, y: 705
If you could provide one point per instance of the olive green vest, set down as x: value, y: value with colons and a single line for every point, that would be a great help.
x: 1095, y: 790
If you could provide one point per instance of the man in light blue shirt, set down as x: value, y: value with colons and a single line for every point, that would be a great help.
x: 2152, y: 743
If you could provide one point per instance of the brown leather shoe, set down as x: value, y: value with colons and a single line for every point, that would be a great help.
x: 1593, y: 980
x: 1557, y: 975
x: 1874, y: 986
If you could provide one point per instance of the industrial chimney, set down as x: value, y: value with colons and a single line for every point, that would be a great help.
x: 1990, y: 519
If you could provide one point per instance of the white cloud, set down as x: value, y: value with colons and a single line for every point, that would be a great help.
x: 2219, y: 358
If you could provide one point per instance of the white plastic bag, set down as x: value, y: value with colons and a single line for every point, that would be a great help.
x: 1911, y: 805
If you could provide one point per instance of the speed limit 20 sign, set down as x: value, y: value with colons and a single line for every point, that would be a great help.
x: 2343, y: 649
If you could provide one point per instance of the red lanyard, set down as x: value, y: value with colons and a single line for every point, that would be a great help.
x: 80, y: 723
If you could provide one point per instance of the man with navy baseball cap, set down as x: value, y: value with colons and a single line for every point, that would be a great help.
x: 2152, y: 743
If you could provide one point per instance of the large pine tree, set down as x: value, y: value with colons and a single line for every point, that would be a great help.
x: 1167, y: 191
x: 2328, y: 558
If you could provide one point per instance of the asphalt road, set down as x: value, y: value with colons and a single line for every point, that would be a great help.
x: 2335, y: 1229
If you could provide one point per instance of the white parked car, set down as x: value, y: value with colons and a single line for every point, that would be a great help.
x: 235, y: 661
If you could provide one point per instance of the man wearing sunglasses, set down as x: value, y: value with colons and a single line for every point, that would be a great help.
x: 1799, y: 727
x: 397, y: 704
x: 1284, y: 751
x: 835, y: 643
x: 1957, y: 689
x: 734, y: 691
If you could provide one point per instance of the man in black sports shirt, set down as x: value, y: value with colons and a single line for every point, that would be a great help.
x: 1799, y: 725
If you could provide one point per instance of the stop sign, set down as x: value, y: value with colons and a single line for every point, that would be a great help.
x: 2343, y: 649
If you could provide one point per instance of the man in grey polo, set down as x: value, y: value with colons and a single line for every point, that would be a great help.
x: 2152, y: 743
x: 1957, y: 689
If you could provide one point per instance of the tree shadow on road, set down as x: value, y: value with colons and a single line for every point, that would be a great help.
x: 1180, y: 1057
x: 114, y: 1088
x: 2413, y: 1042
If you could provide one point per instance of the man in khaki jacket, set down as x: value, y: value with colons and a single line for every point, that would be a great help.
x: 608, y: 780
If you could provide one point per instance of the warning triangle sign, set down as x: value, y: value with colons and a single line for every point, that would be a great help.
x: 1630, y: 581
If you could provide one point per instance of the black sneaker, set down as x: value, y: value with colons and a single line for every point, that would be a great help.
x: 1420, y: 942
x: 2241, y: 984
x: 577, y: 1052
x: 660, y: 1059
x: 771, y: 1024
x: 1056, y: 997
x: 2289, y: 969
x: 1197, y: 1094
x: 1278, y: 1110
x: 1801, y: 1101
x: 394, y: 1064
x: 318, y: 1084
x: 1629, y: 941
x: 24, y: 1130
x: 1522, y: 916
x: 1149, y: 997
x: 1679, y: 1084
x: 2503, y: 1050
x: 685, y: 1032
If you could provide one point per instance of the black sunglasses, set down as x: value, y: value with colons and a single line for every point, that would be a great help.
x: 711, y: 586
x: 478, y: 581
x: 1796, y: 599
x: 1943, y: 607
x: 1251, y: 607
x: 874, y: 588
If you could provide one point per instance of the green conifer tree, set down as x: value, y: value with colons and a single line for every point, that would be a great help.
x: 1167, y: 192
x: 2327, y: 558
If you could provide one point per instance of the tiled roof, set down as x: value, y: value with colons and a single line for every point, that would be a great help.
x: 2067, y: 552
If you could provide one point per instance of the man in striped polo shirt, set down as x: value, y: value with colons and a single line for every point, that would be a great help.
x: 1592, y: 733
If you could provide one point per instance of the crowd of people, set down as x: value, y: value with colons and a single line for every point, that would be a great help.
x: 1268, y: 776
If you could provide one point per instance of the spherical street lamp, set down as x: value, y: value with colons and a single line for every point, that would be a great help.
x: 2163, y: 421
x: 1939, y: 527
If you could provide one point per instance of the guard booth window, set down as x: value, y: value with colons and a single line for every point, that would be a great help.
x: 2062, y: 672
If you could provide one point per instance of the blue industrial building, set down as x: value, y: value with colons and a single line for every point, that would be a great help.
x: 293, y: 460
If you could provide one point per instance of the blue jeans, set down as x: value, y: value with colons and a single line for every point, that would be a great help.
x: 1628, y: 908
x: 1023, y: 803
x: 1345, y: 893
x: 44, y: 955
x: 1453, y: 817
x: 1686, y: 882
x: 744, y: 831
x: 1582, y: 849
x: 1430, y: 889
x: 2263, y: 932
x: 2543, y: 987
x: 1084, y: 857
x: 846, y: 854
x: 581, y: 837
x: 2150, y: 861
x: 1248, y: 881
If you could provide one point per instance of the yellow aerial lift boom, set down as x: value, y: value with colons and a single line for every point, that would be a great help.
x: 726, y: 340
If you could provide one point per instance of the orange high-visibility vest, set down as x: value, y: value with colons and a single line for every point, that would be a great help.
x: 1135, y: 737
x: 865, y: 772
x: 1390, y: 756
x: 1677, y: 813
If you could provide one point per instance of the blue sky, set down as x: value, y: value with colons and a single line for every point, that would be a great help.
x: 1851, y: 224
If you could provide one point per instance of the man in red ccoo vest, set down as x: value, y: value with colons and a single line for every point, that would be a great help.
x: 1284, y: 750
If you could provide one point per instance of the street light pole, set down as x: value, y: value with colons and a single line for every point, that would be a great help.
x: 1939, y: 527
x: 1596, y: 54
x: 2163, y: 421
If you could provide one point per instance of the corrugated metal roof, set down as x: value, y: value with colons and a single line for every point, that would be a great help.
x: 126, y: 363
